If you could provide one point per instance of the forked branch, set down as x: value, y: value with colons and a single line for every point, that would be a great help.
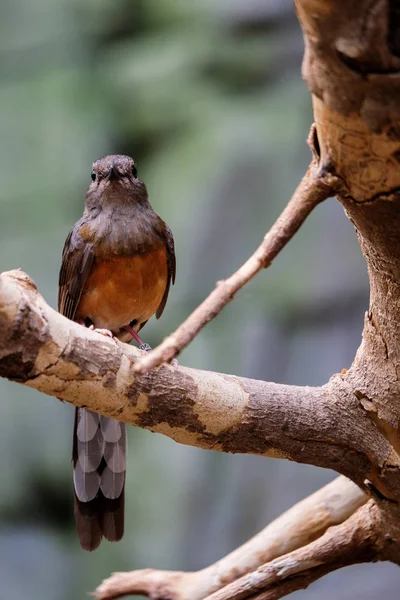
x: 306, y: 521
x: 358, y: 539
x: 316, y: 185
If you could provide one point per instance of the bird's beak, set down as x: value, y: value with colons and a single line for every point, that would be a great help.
x: 113, y: 173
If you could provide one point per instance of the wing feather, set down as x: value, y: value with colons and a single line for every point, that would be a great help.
x: 171, y: 266
x: 77, y: 261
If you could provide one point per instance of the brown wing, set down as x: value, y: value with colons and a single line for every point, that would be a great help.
x: 77, y: 261
x: 171, y: 265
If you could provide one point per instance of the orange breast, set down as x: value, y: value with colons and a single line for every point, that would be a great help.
x: 121, y: 289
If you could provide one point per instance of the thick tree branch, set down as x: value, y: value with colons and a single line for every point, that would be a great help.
x: 352, y: 67
x: 316, y: 185
x: 324, y: 426
x: 303, y: 523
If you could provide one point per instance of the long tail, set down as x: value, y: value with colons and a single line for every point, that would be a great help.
x: 99, y: 459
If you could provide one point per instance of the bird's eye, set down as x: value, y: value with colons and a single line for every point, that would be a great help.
x: 134, y: 171
x: 93, y: 176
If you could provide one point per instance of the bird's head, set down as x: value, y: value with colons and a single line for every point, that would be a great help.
x: 115, y: 180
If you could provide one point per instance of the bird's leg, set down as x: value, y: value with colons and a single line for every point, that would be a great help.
x: 146, y: 347
x: 137, y: 338
x: 143, y: 345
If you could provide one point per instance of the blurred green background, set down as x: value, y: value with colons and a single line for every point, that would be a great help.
x: 208, y: 98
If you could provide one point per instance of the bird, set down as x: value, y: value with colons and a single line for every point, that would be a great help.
x: 117, y: 267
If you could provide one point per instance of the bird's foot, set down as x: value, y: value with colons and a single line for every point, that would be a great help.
x: 142, y: 345
x: 145, y: 347
x: 105, y: 332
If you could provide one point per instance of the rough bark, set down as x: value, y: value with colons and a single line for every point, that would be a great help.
x: 326, y: 426
x: 352, y: 65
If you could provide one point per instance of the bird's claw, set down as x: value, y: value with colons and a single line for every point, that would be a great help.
x: 105, y: 332
x: 145, y: 347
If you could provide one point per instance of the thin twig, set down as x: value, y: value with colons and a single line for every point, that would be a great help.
x: 316, y: 186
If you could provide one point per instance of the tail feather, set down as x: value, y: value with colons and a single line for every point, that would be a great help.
x: 99, y: 460
x: 115, y: 453
x: 112, y: 519
x: 87, y: 524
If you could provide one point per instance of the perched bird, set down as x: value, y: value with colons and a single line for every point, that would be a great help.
x: 117, y: 266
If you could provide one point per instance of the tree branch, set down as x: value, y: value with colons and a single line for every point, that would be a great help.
x: 358, y: 539
x: 351, y: 64
x: 325, y: 426
x: 303, y: 523
x: 316, y: 186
